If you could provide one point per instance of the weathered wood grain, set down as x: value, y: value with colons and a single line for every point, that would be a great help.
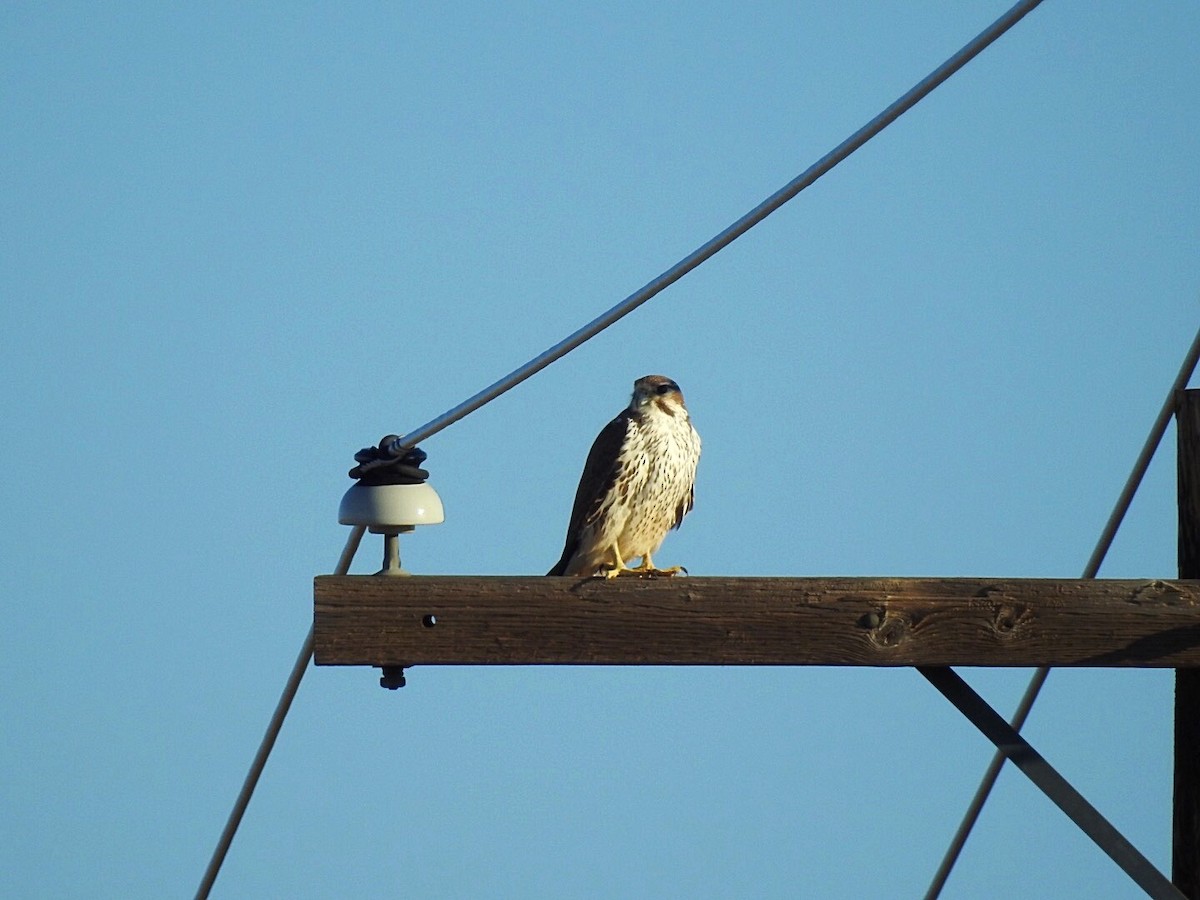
x: 436, y: 620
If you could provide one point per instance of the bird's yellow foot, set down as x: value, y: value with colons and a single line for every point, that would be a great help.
x: 662, y: 573
x: 609, y: 572
x: 637, y: 572
x: 647, y: 569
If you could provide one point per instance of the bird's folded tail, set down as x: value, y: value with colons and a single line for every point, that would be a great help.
x: 560, y: 567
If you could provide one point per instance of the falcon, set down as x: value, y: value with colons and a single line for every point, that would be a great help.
x: 637, y: 485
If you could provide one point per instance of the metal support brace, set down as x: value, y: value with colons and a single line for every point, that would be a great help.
x: 1053, y: 785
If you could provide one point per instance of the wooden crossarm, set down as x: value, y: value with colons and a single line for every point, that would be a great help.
x: 485, y: 620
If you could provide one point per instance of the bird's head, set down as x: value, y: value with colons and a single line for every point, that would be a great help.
x: 657, y: 393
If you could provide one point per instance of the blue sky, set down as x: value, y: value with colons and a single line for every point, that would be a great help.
x: 241, y: 241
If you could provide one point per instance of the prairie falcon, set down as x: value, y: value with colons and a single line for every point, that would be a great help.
x: 637, y: 484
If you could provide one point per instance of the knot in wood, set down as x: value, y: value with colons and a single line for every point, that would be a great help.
x: 1008, y: 618
x: 870, y: 620
x: 1160, y: 592
x: 891, y: 632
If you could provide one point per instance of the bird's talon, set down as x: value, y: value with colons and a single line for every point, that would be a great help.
x: 667, y: 573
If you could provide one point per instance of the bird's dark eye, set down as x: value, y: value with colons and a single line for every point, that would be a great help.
x: 666, y: 388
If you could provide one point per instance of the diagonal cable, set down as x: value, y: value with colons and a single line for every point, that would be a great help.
x: 1157, y: 430
x: 822, y: 166
x: 827, y: 162
x: 268, y: 741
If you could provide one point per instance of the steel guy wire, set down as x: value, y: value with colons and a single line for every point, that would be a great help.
x: 268, y: 741
x: 827, y: 162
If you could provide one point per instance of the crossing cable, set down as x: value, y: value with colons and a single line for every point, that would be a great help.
x: 1153, y: 440
x: 1052, y: 784
x: 826, y: 163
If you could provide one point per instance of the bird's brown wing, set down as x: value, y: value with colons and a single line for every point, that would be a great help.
x: 685, y: 507
x: 600, y: 474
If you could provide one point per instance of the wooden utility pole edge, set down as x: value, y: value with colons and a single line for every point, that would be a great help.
x: 1185, y: 857
x: 453, y: 620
